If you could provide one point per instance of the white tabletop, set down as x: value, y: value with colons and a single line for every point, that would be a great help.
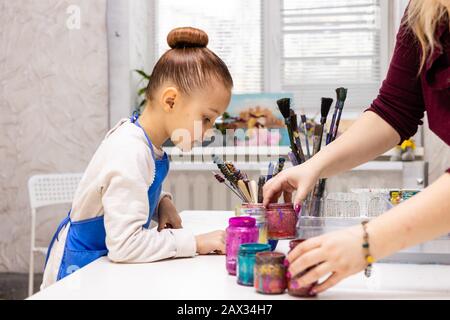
x: 205, y: 277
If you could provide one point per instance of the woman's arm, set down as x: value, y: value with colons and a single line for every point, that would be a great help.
x: 367, y: 138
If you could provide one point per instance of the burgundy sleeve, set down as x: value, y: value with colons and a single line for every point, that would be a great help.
x: 400, y: 102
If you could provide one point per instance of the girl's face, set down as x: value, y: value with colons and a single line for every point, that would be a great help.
x: 194, y: 114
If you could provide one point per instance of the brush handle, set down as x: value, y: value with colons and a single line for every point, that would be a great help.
x: 254, y: 191
x: 317, y: 140
x: 244, y: 190
x: 261, y: 182
x: 336, y: 127
x: 234, y: 191
x: 306, y: 140
x: 292, y: 158
x: 333, y: 120
x: 270, y: 171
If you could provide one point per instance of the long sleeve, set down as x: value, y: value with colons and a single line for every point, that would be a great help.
x: 126, y: 207
x: 400, y: 102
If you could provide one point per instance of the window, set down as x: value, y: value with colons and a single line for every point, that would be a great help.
x: 307, y: 47
x: 234, y: 30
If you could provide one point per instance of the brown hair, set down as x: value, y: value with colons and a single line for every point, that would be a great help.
x: 189, y: 64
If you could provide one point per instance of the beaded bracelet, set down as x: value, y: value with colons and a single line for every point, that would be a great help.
x: 369, y: 258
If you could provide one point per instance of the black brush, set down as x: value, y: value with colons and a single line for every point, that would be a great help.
x: 284, y: 105
x: 325, y: 106
x: 305, y: 130
x: 296, y: 135
x: 341, y: 95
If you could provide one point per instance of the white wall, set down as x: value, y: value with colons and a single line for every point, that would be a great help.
x: 53, y: 107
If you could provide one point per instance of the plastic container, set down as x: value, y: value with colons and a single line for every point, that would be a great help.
x: 270, y: 273
x: 294, y: 288
x: 246, y: 261
x: 240, y: 230
x: 281, y: 221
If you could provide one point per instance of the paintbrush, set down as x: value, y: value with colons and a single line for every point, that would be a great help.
x: 305, y: 130
x: 254, y: 191
x: 269, y: 171
x: 261, y: 182
x: 284, y: 105
x: 296, y: 135
x: 244, y: 190
x: 280, y: 166
x: 341, y: 95
x: 221, y: 179
x: 325, y: 106
x: 292, y: 158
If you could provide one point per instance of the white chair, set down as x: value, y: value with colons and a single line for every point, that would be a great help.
x: 46, y: 190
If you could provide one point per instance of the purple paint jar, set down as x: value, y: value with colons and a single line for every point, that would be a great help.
x: 294, y: 289
x: 240, y: 230
x: 281, y: 221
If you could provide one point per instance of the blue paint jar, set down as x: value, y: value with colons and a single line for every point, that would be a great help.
x: 246, y: 261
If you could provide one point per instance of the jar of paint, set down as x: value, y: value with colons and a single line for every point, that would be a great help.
x: 240, y: 230
x: 257, y: 211
x: 293, y: 287
x: 246, y: 261
x: 281, y: 221
x: 270, y: 273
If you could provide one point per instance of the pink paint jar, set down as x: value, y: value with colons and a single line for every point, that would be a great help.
x: 240, y: 230
x: 294, y: 288
x: 281, y: 221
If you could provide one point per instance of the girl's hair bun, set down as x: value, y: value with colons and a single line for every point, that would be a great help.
x: 187, y: 37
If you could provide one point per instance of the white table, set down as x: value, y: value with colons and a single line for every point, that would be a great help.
x: 205, y: 277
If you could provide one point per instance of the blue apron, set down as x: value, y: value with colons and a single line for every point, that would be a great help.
x: 86, y: 239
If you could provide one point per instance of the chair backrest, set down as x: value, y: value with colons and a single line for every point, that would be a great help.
x: 50, y: 189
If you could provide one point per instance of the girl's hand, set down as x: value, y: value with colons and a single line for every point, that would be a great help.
x: 168, y: 215
x: 301, y: 178
x: 339, y: 254
x: 211, y: 242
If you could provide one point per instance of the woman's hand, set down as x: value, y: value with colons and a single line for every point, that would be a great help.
x: 211, y: 242
x: 301, y: 178
x: 168, y: 215
x: 339, y: 254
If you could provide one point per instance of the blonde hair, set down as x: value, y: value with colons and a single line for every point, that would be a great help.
x: 423, y: 16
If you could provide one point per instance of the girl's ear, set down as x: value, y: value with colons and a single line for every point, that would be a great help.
x: 169, y: 97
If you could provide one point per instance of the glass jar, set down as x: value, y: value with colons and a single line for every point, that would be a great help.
x: 281, y: 221
x: 246, y: 261
x: 257, y: 211
x: 270, y: 273
x: 293, y: 288
x: 240, y: 230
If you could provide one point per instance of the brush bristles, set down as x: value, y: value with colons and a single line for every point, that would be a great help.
x: 303, y: 117
x: 284, y: 105
x: 341, y: 94
x: 325, y: 107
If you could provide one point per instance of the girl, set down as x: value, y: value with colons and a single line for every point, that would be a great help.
x: 418, y: 80
x: 120, y: 192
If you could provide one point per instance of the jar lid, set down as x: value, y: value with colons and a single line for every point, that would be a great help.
x: 252, y: 248
x: 295, y: 242
x: 243, y: 221
x: 270, y: 257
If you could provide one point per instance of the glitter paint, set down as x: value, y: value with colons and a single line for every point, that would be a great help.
x: 293, y: 287
x: 240, y: 230
x: 246, y: 261
x: 257, y: 211
x: 281, y: 221
x: 270, y: 273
